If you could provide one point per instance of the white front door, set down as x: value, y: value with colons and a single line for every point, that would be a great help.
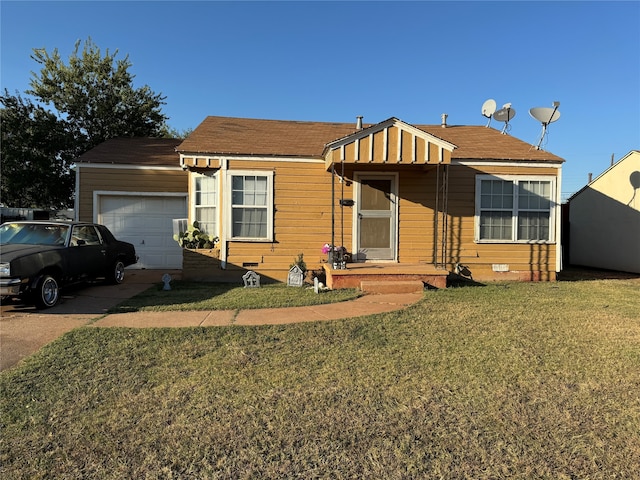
x: 376, y: 217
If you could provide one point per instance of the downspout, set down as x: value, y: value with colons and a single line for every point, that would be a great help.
x: 76, y: 200
x: 341, y: 257
x: 558, y: 213
x: 223, y: 238
x: 445, y: 214
x: 435, y: 213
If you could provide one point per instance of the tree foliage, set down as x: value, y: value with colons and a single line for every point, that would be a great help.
x: 37, y: 149
x: 93, y: 100
x: 96, y: 95
x: 170, y: 132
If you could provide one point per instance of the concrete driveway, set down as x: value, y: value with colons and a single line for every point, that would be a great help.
x: 24, y: 329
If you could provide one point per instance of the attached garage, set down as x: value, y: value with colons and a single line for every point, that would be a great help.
x: 135, y: 187
x: 146, y: 222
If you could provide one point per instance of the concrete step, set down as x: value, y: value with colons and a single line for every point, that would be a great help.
x: 391, y: 286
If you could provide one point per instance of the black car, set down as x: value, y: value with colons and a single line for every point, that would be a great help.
x: 37, y: 258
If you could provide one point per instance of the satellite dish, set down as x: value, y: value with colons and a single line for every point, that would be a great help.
x: 488, y: 109
x: 505, y: 114
x: 545, y: 115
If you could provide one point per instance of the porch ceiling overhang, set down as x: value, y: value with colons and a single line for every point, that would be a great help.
x: 391, y: 142
x: 196, y: 161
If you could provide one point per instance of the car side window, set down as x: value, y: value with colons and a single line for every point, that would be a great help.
x: 84, y: 235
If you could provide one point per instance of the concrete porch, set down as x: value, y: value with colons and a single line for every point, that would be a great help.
x: 386, y: 277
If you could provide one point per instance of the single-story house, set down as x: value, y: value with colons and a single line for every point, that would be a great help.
x: 465, y: 199
x: 604, y: 219
x: 135, y: 187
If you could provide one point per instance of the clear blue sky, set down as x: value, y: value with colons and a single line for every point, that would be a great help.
x: 332, y: 61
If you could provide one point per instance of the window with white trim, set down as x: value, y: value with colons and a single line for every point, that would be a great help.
x: 514, y: 209
x: 251, y: 205
x: 205, y: 202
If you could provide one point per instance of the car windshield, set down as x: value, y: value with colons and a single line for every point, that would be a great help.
x: 33, y: 234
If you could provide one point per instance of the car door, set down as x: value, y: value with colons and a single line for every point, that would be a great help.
x: 87, y: 254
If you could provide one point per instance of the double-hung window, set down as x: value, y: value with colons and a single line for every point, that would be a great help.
x: 515, y: 209
x: 251, y: 205
x: 205, y: 194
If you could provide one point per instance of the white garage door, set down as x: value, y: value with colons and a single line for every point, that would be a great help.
x: 146, y: 222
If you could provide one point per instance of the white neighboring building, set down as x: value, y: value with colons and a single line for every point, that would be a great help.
x: 604, y: 219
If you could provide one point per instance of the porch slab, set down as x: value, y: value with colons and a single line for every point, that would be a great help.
x: 356, y: 273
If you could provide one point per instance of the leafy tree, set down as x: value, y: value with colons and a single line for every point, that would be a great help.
x: 93, y: 100
x: 37, y: 149
x: 170, y: 132
x: 96, y: 96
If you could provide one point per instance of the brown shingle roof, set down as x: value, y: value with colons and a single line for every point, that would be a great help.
x: 247, y: 136
x: 479, y: 142
x: 135, y: 151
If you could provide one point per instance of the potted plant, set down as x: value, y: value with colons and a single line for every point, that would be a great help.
x: 337, y: 256
x: 194, y: 238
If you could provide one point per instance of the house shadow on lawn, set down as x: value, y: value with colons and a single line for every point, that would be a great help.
x: 456, y: 281
x: 579, y: 274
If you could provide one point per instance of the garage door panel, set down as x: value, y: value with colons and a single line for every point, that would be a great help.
x: 147, y: 223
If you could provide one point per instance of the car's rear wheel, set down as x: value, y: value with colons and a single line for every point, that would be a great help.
x: 115, y: 276
x: 47, y: 292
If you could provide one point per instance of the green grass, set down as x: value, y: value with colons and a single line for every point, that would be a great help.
x: 225, y: 296
x: 504, y: 381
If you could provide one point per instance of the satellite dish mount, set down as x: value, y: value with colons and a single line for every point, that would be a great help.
x: 545, y: 115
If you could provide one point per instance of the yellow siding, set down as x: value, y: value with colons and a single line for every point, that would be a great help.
x: 392, y: 145
x: 417, y: 225
x: 302, y: 219
x: 421, y: 148
x: 125, y: 180
x: 433, y: 153
x: 407, y: 147
x: 364, y: 149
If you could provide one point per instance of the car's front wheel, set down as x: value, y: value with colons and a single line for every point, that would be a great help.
x: 115, y: 276
x: 47, y: 292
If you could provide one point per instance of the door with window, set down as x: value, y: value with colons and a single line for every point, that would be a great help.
x: 86, y: 254
x: 376, y: 218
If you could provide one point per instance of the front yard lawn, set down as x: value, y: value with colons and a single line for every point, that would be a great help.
x: 537, y: 380
x: 186, y: 295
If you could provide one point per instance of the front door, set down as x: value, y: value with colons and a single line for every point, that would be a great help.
x: 376, y: 218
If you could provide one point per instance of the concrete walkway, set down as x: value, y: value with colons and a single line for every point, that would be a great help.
x: 24, y: 329
x: 366, y: 305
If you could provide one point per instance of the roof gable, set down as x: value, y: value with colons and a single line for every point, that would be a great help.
x: 624, y: 175
x: 390, y: 141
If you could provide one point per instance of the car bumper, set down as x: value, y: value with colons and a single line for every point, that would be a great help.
x: 10, y: 286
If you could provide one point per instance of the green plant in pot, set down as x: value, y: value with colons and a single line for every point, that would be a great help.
x: 195, y: 238
x: 300, y: 263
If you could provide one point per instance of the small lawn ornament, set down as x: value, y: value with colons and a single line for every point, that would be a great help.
x: 295, y: 277
x: 251, y: 279
x: 166, y: 278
